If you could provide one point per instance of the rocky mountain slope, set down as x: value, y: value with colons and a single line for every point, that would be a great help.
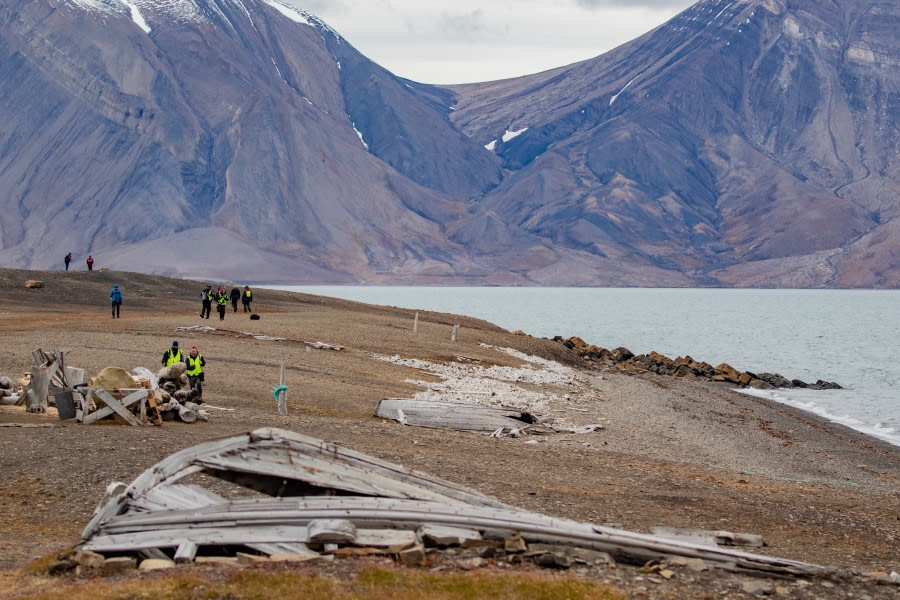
x: 743, y: 143
x: 746, y: 142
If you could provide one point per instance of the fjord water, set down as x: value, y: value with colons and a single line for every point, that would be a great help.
x: 848, y: 336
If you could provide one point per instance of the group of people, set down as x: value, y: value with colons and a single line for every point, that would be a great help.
x: 207, y: 297
x: 89, y: 261
x: 194, y: 362
x: 222, y: 298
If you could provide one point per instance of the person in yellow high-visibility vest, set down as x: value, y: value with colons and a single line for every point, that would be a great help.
x: 172, y: 355
x: 221, y: 302
x: 195, y: 363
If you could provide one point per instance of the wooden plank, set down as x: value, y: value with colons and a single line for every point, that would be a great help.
x: 186, y: 552
x: 452, y: 415
x: 370, y: 513
x: 284, y: 548
x: 174, y: 497
x: 74, y: 376
x: 201, y: 536
x: 112, y: 406
x: 385, y: 538
x: 116, y: 406
x: 331, y: 530
x: 437, y: 535
x: 270, y: 538
x: 285, y: 520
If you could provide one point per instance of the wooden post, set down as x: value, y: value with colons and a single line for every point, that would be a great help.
x: 416, y: 323
x: 454, y: 333
x: 38, y: 390
x: 281, y: 395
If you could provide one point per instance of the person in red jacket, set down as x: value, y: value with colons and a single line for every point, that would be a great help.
x: 90, y: 263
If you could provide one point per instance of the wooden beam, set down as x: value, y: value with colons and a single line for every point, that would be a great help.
x: 186, y: 552
x: 119, y: 407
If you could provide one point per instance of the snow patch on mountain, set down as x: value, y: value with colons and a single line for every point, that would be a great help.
x: 289, y: 11
x: 359, y: 133
x: 508, y: 135
x: 619, y: 93
x: 137, y: 17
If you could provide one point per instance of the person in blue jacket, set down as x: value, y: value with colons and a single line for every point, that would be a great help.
x: 115, y: 296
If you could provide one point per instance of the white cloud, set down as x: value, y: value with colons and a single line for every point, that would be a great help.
x: 471, y: 40
x: 465, y: 26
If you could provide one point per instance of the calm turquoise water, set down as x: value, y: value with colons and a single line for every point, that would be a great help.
x: 848, y: 336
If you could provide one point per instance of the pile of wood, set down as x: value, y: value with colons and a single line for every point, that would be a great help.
x: 38, y: 389
x: 323, y: 500
x: 114, y: 393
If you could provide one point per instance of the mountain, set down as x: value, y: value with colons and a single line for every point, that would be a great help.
x: 744, y: 143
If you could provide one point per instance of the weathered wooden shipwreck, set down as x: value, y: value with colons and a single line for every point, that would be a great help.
x: 304, y: 497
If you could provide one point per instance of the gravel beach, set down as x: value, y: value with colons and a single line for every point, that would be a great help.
x: 672, y: 453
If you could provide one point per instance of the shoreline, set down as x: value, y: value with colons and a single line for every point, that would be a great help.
x: 672, y: 453
x: 892, y: 438
x: 642, y: 321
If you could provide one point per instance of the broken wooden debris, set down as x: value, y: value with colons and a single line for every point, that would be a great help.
x: 325, y: 499
x: 710, y: 537
x: 256, y: 336
x: 457, y: 415
x: 461, y: 416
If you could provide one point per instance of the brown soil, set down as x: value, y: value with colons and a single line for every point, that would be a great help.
x: 674, y: 453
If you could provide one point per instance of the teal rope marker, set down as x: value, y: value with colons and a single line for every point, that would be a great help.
x: 278, y: 390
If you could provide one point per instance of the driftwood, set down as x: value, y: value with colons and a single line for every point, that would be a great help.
x: 38, y: 390
x: 328, y: 499
x: 7, y: 398
x: 457, y: 415
x: 174, y: 371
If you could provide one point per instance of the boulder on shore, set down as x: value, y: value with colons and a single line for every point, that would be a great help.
x: 683, y: 367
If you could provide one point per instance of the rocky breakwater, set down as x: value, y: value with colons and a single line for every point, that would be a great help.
x: 686, y: 367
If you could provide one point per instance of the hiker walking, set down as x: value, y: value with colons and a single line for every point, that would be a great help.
x: 115, y: 296
x: 195, y: 363
x: 172, y: 355
x: 247, y: 298
x: 90, y: 262
x: 235, y: 296
x: 206, y: 297
x: 221, y: 301
x: 67, y: 260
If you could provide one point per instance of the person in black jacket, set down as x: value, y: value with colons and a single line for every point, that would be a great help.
x: 247, y: 298
x: 172, y: 355
x: 67, y: 260
x: 206, y: 297
x: 235, y: 296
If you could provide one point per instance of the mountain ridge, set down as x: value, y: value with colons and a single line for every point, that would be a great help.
x: 744, y: 143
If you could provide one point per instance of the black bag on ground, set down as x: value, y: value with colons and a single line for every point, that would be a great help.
x: 254, y: 317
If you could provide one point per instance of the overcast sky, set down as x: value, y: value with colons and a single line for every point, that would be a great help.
x: 461, y: 41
